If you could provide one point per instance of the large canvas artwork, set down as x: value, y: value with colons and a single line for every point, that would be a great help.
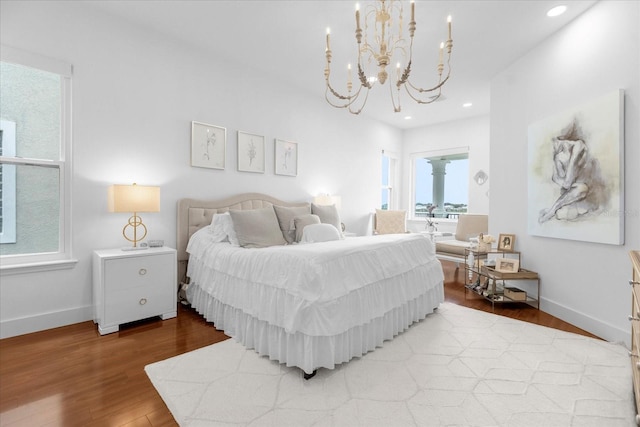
x: 576, y: 176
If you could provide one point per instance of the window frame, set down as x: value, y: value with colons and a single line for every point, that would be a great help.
x: 412, y: 172
x: 392, y: 179
x: 62, y: 258
x: 8, y: 189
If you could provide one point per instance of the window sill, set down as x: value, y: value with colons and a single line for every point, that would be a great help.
x: 36, y: 267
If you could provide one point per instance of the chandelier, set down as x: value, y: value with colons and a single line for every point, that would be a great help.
x: 383, y: 39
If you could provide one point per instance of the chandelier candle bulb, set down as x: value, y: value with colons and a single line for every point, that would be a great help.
x: 449, y: 24
x: 441, y: 52
x: 413, y: 11
x: 357, y: 16
x: 328, y: 33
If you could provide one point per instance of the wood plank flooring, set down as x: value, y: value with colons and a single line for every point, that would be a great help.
x: 72, y: 376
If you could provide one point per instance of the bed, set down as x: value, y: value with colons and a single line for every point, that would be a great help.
x: 311, y: 305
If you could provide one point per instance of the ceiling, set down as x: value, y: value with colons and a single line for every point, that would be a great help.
x: 286, y: 40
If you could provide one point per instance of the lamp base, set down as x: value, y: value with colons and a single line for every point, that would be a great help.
x: 134, y: 248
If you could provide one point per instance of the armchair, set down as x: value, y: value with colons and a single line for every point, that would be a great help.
x: 469, y: 225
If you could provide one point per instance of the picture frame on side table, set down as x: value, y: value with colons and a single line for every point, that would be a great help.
x: 506, y: 242
x: 208, y: 146
x: 507, y: 265
x: 251, y: 156
x: 286, y: 158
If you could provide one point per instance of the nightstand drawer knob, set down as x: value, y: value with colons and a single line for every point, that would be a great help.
x: 143, y: 301
x: 142, y: 271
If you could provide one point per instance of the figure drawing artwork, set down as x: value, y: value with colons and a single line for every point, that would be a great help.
x: 250, y: 152
x: 286, y: 158
x: 575, y: 177
x: 208, y: 146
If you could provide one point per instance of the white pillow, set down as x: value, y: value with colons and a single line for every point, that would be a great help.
x: 222, y: 229
x: 300, y: 222
x: 314, y: 233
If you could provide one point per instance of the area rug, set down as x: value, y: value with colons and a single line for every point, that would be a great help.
x: 457, y: 367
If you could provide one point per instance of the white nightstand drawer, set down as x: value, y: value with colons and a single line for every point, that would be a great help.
x: 139, y: 303
x: 143, y: 271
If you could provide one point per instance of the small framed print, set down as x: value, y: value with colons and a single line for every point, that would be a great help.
x: 250, y: 152
x: 286, y: 158
x: 506, y: 265
x: 208, y: 146
x: 506, y: 242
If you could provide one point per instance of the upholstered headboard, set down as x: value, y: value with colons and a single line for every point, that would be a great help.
x: 194, y: 214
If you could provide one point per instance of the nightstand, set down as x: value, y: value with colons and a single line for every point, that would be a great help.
x: 133, y: 285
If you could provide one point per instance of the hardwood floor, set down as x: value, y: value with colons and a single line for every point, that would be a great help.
x: 72, y: 376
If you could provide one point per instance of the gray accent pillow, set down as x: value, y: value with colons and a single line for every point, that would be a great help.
x: 328, y: 215
x: 257, y: 228
x: 300, y: 222
x: 285, y: 219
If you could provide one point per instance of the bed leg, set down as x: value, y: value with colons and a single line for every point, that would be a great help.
x: 309, y: 376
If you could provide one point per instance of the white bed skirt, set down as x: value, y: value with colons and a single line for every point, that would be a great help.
x: 312, y: 352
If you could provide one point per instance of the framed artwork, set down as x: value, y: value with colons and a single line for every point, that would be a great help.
x: 250, y: 152
x: 286, y: 158
x: 208, y: 146
x: 506, y: 265
x: 506, y: 242
x: 576, y: 173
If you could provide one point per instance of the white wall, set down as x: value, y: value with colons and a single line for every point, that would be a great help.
x: 472, y: 133
x: 135, y: 94
x: 582, y: 283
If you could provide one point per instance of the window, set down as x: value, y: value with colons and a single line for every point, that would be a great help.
x: 34, y: 159
x: 388, y: 200
x: 440, y: 183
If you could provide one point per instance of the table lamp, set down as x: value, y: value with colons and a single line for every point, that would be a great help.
x: 134, y: 198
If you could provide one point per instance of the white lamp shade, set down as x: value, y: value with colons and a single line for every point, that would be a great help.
x: 327, y: 200
x: 134, y: 198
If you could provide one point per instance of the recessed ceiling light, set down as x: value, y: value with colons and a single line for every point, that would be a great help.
x: 407, y: 117
x: 556, y: 11
x: 467, y: 104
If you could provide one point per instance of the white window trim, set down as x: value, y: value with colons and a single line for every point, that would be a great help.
x: 412, y: 172
x: 393, y: 178
x: 8, y: 232
x: 63, y: 257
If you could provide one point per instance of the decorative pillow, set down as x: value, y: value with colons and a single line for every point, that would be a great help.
x: 328, y: 215
x: 300, y: 222
x: 257, y: 228
x: 285, y: 219
x: 315, y: 233
x: 222, y: 229
x: 390, y: 222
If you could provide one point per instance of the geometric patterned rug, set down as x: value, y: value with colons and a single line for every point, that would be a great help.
x: 457, y: 367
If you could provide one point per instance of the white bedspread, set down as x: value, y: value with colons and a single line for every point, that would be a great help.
x: 319, y: 289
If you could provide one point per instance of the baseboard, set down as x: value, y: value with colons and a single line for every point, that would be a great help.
x: 26, y: 325
x: 590, y: 324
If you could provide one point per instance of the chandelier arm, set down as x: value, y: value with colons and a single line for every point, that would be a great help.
x: 420, y: 101
x: 440, y: 83
x: 351, y: 99
x: 358, y: 111
x: 398, y: 108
